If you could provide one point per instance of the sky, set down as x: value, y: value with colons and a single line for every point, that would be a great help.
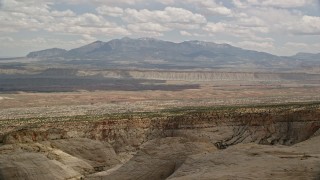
x: 281, y: 27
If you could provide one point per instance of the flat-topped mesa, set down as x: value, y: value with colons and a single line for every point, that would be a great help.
x: 201, y: 75
x: 283, y: 124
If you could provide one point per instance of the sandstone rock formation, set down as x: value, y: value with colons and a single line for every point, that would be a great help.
x: 37, y: 161
x: 55, y: 159
x: 179, y: 158
x: 26, y: 165
x: 158, y: 159
x: 252, y: 161
x: 98, y: 154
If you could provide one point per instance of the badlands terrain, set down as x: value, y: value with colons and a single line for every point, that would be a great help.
x: 239, y: 142
x: 151, y: 109
x: 178, y: 125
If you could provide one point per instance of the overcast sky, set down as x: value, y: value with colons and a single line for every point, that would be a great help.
x: 282, y: 27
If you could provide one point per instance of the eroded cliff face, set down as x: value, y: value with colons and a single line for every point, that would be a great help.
x: 200, y: 76
x: 285, y: 125
x: 186, y: 132
x: 276, y: 124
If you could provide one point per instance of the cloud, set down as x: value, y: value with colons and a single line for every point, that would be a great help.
x: 150, y: 29
x: 250, y: 21
x: 185, y: 33
x: 168, y: 15
x: 307, y: 25
x: 233, y: 29
x: 36, y: 16
x: 285, y: 3
x: 6, y: 39
x: 159, y: 21
x: 207, y: 7
x: 63, y: 13
x: 286, y: 21
x: 110, y: 11
x: 104, y: 2
x: 272, y: 3
x: 296, y: 45
x: 43, y: 43
x: 262, y: 46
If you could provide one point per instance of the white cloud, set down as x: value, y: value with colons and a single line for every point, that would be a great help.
x: 148, y: 28
x: 185, y: 33
x: 6, y: 39
x: 44, y: 43
x: 87, y: 19
x: 309, y: 25
x: 296, y: 45
x: 262, y: 46
x: 239, y: 4
x: 110, y: 11
x: 250, y: 21
x: 63, y: 13
x: 216, y: 27
x: 157, y: 21
x: 168, y: 15
x: 36, y: 16
x: 272, y: 3
x: 233, y: 29
x: 209, y: 7
x: 104, y: 2
x: 285, y: 3
x: 286, y: 21
x: 167, y: 2
x: 88, y: 38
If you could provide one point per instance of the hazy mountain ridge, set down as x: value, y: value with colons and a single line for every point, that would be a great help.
x: 148, y: 52
x: 307, y: 56
x: 47, y: 53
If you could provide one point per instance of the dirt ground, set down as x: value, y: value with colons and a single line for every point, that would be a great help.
x: 98, y: 102
x: 207, y: 92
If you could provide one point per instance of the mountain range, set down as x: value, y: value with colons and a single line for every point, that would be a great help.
x: 150, y: 52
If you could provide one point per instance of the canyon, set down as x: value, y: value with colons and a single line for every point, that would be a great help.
x: 152, y: 109
x: 220, y: 142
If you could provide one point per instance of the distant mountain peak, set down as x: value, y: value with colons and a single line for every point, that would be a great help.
x: 208, y: 44
x: 126, y: 38
x: 148, y: 39
x: 197, y: 42
x: 307, y: 56
x: 305, y: 53
x: 47, y: 53
x: 97, y: 42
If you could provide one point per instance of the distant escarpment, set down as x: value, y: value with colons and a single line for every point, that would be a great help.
x: 199, y: 75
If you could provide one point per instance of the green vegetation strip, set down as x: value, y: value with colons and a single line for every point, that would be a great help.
x: 179, y: 111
